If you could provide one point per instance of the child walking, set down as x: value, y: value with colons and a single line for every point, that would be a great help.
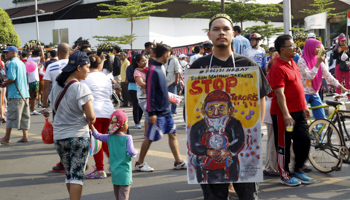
x: 121, y: 149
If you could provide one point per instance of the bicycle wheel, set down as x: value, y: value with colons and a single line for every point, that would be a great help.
x: 325, y: 145
x: 345, y: 121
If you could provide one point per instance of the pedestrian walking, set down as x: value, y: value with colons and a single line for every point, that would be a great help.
x: 221, y: 34
x: 72, y: 102
x: 18, y: 103
x: 101, y: 88
x: 160, y: 119
x: 288, y: 108
x: 121, y: 148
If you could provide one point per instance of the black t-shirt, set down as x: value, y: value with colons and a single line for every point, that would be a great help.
x: 116, y: 65
x: 240, y: 61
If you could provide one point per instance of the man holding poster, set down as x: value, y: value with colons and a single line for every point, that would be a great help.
x: 217, y: 142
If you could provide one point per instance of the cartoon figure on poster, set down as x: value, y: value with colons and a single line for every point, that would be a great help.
x: 223, y: 140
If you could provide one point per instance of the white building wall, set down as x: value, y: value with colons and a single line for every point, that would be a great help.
x: 172, y: 31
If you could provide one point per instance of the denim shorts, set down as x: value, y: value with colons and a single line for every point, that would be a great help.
x: 73, y: 153
x: 164, y: 125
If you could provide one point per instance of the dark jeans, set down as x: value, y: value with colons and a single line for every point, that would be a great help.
x: 136, y: 109
x: 245, y: 191
x: 125, y: 94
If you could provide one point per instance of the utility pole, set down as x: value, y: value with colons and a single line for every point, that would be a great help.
x: 37, y: 20
x: 287, y: 17
x: 222, y: 6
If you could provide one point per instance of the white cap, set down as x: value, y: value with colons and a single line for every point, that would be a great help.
x: 311, y: 35
x: 182, y: 56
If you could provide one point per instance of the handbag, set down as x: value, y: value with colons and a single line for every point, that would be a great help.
x: 344, y: 66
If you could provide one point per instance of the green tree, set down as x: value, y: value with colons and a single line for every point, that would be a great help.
x: 266, y: 31
x: 320, y: 6
x: 131, y: 10
x: 8, y: 35
x: 238, y: 10
x: 124, y: 39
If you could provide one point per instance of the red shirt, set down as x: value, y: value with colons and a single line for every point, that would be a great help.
x: 282, y: 74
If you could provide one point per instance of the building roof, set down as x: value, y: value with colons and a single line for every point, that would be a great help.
x: 49, y: 8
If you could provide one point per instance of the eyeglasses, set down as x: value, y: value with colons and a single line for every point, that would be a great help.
x: 289, y: 46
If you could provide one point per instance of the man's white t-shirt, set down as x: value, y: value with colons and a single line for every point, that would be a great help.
x: 101, y: 88
x: 194, y: 57
x: 54, y: 69
x: 34, y: 76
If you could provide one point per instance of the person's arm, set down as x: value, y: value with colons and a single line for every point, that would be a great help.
x: 152, y: 81
x: 177, y: 78
x: 99, y: 136
x: 42, y: 56
x: 89, y: 112
x: 262, y: 109
x: 281, y: 100
x: 140, y: 82
x: 46, y: 89
x: 130, y: 147
x: 305, y: 71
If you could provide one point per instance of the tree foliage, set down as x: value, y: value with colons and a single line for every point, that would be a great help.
x: 238, y: 10
x: 131, y: 10
x: 320, y: 6
x: 124, y: 39
x: 8, y: 35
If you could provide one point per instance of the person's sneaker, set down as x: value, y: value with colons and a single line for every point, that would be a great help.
x: 58, y: 168
x: 143, y: 167
x: 138, y: 126
x: 180, y: 165
x: 97, y: 175
x: 303, y: 178
x: 34, y: 112
x: 290, y: 182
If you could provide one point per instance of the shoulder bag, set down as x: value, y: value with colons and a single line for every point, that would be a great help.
x: 62, y: 94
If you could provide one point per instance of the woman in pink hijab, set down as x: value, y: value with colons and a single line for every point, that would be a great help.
x: 312, y: 68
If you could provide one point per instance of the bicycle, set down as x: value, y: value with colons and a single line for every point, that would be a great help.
x: 329, y: 144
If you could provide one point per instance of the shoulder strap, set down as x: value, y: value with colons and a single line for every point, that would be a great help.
x: 62, y: 94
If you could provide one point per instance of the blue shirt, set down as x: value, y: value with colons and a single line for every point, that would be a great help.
x: 157, y: 91
x: 296, y: 58
x: 240, y: 44
x: 17, y: 71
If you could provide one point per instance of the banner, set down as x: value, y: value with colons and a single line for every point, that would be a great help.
x: 348, y: 18
x: 317, y: 21
x: 223, y: 125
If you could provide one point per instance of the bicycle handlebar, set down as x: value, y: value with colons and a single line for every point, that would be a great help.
x: 339, y: 96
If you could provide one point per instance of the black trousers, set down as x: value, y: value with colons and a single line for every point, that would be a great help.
x: 136, y: 109
x: 245, y: 191
x: 283, y: 138
x: 125, y: 94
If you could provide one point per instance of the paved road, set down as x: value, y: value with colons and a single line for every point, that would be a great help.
x: 25, y: 173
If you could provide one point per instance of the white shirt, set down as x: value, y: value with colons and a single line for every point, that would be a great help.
x: 194, y: 57
x: 34, y: 76
x: 101, y: 88
x: 172, y: 67
x: 54, y: 69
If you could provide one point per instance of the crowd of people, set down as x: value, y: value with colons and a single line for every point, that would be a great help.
x: 83, y: 87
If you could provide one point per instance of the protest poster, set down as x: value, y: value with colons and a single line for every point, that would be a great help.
x: 223, y: 125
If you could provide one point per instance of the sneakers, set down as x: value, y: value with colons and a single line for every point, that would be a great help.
x: 290, y: 182
x: 143, y: 167
x: 180, y: 165
x: 138, y: 126
x: 34, y: 112
x: 58, y: 168
x: 97, y: 175
x: 303, y: 178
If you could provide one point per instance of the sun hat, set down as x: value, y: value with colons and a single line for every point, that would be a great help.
x: 341, y: 37
x: 182, y: 56
x: 11, y: 48
x: 77, y: 58
x: 117, y: 119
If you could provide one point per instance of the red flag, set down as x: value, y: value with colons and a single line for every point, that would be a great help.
x: 348, y: 18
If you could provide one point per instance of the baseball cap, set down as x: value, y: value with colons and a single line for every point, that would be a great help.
x: 11, y: 48
x: 77, y: 58
x: 182, y: 56
x: 311, y: 35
